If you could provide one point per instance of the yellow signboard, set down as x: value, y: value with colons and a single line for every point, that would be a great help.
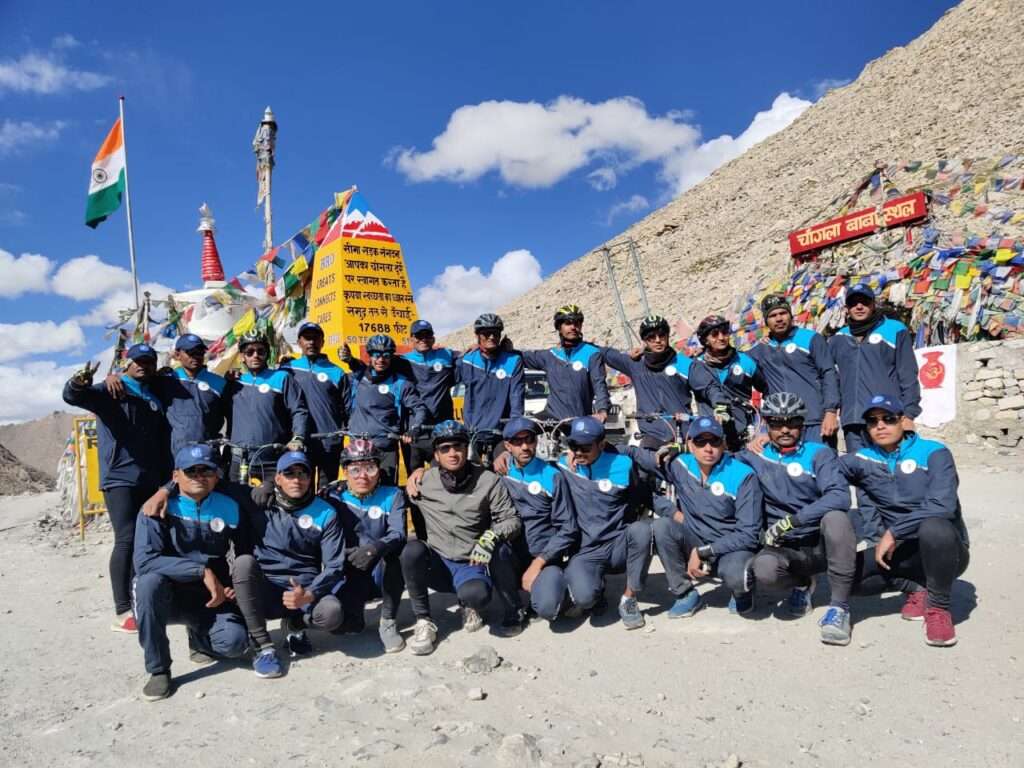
x: 89, y: 497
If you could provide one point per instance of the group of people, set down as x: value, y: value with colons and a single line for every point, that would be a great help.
x: 760, y: 509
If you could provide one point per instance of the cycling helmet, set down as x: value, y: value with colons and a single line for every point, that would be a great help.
x: 488, y: 322
x: 783, y: 405
x: 570, y: 313
x: 708, y: 324
x: 359, y: 449
x: 381, y: 343
x: 653, y: 324
x: 775, y: 301
x: 252, y: 336
x: 449, y: 431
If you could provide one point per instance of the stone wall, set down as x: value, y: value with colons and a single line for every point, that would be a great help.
x: 991, y: 394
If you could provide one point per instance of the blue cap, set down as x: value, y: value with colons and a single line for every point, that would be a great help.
x: 420, y: 326
x: 884, y: 403
x: 139, y: 351
x: 195, y: 455
x: 860, y: 290
x: 313, y: 327
x: 585, y: 430
x: 188, y: 342
x: 517, y: 425
x: 292, y: 458
x: 704, y: 426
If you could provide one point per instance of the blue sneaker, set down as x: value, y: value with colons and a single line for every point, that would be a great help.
x: 629, y: 612
x: 835, y: 626
x: 799, y: 603
x: 741, y: 604
x: 266, y: 664
x: 684, y: 607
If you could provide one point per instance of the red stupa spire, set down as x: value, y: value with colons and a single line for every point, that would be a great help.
x: 213, y: 271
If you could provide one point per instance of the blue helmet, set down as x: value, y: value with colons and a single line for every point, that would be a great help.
x: 381, y: 343
x: 449, y: 431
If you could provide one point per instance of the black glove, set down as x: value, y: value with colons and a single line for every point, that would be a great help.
x: 484, y: 548
x: 776, y: 532
x: 364, y: 556
x: 705, y: 552
x: 666, y: 453
x: 262, y: 495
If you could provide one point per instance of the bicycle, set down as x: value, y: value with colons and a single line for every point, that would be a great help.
x: 248, y: 455
x: 674, y: 425
x: 552, y: 441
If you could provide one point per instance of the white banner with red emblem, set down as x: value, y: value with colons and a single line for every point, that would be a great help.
x: 936, y: 372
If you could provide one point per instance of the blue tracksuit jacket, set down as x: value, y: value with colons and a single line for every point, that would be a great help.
x: 606, y: 496
x: 576, y: 379
x: 384, y: 404
x: 434, y: 374
x: 380, y: 517
x: 883, y: 363
x: 196, y: 408
x: 543, y: 500
x: 802, y: 364
x: 739, y: 376
x: 494, y: 388
x: 325, y: 388
x: 266, y: 407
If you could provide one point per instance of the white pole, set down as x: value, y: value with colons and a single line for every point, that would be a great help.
x: 128, y: 205
x: 268, y: 236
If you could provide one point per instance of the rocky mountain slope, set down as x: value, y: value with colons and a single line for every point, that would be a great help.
x: 38, y: 444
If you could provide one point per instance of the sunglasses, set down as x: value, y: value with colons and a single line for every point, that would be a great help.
x: 780, y: 423
x: 296, y: 473
x: 522, y: 440
x: 718, y: 332
x: 701, y: 440
x: 199, y: 472
x: 489, y: 334
x: 890, y: 418
x: 380, y: 354
x: 450, y: 447
x: 255, y: 352
x: 657, y: 335
x: 423, y: 336
x: 585, y: 447
x: 362, y: 470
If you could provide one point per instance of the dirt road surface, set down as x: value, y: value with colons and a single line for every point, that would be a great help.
x: 713, y: 690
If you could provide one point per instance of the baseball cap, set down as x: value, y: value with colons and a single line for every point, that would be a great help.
x: 704, y: 426
x: 195, y: 455
x: 586, y: 429
x: 883, y: 403
x: 517, y: 425
x: 292, y: 458
x: 859, y: 290
x: 421, y: 326
x: 310, y: 328
x: 140, y: 351
x: 188, y: 342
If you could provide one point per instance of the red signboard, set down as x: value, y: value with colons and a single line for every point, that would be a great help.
x: 899, y: 210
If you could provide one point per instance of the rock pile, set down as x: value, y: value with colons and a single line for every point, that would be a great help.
x: 992, y: 392
x: 16, y: 478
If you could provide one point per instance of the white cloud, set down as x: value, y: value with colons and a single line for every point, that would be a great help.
x: 19, y: 402
x: 108, y: 311
x: 17, y: 134
x: 829, y: 83
x: 46, y: 74
x: 65, y: 42
x: 635, y: 204
x: 89, y: 277
x: 603, y: 179
x: 457, y: 295
x: 23, y: 274
x: 18, y: 340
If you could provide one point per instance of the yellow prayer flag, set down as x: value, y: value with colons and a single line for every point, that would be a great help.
x: 1003, y: 255
x: 964, y: 281
x: 246, y: 323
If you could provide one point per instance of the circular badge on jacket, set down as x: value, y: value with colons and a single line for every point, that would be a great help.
x: 217, y: 525
x: 717, y: 488
x: 383, y: 388
x: 438, y: 367
x: 375, y: 513
x: 577, y: 366
x: 534, y: 487
x: 907, y: 466
x: 203, y: 386
x: 153, y: 405
x: 264, y: 388
x: 305, y: 522
x: 500, y: 373
x: 794, y: 470
x: 790, y: 348
x: 605, y: 485
x: 875, y: 338
x: 321, y: 377
x: 670, y: 370
x: 737, y: 370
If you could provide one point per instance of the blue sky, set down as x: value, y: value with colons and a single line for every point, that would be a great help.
x: 556, y: 126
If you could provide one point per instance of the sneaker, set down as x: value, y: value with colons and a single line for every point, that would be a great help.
x: 629, y: 612
x: 938, y: 627
x: 352, y: 624
x: 741, y: 604
x: 196, y: 655
x: 266, y: 664
x: 914, y: 606
x: 799, y: 603
x: 686, y: 606
x: 424, y: 637
x: 125, y: 622
x: 390, y: 636
x: 835, y: 626
x: 471, y: 620
x: 298, y: 644
x: 157, y: 687
x: 513, y: 624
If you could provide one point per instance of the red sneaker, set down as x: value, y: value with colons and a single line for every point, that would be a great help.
x: 938, y: 627
x: 126, y: 624
x: 914, y: 605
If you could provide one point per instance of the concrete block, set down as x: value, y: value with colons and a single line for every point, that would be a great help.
x: 1011, y: 403
x: 987, y: 374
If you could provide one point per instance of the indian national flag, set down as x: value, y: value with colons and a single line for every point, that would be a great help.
x: 106, y: 185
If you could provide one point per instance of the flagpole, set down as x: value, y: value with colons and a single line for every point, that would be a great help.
x: 128, y: 205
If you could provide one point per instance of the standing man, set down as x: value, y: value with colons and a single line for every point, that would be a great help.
x: 807, y: 503
x: 433, y: 370
x: 874, y: 354
x: 798, y: 360
x: 913, y: 484
x: 467, y: 514
x: 607, y: 495
x: 325, y: 388
x: 736, y: 372
x: 134, y: 456
x: 266, y: 407
x: 493, y: 378
x: 385, y: 403
x: 666, y: 382
x: 715, y: 528
x: 182, y: 572
x: 575, y: 371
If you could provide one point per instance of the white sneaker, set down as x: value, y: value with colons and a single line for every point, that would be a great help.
x: 471, y: 620
x: 424, y: 637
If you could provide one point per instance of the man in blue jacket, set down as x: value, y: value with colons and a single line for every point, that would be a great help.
x: 608, y: 496
x: 874, y: 355
x: 182, y: 574
x: 296, y: 568
x: 715, y: 527
x: 798, y: 360
x: 912, y: 483
x: 267, y: 407
x: 325, y: 388
x: 736, y: 372
x: 543, y: 500
x: 378, y: 512
x: 808, y: 528
x: 134, y: 458
x: 493, y: 378
x: 575, y: 371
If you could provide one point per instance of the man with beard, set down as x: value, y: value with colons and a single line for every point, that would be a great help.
x: 493, y: 377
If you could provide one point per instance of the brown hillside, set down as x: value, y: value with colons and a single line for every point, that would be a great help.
x: 39, y: 444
